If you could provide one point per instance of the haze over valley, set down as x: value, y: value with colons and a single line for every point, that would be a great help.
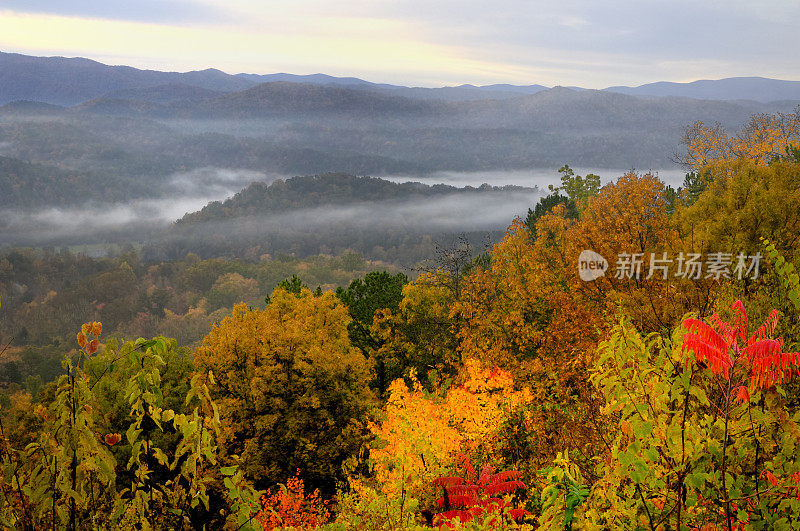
x: 130, y: 151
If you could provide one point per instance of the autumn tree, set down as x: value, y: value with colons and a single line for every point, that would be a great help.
x: 700, y: 434
x: 420, y: 437
x: 419, y: 335
x: 746, y: 203
x: 530, y: 312
x: 292, y: 389
x: 763, y: 139
x: 231, y: 288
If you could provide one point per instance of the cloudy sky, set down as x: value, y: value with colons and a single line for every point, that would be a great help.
x: 589, y: 43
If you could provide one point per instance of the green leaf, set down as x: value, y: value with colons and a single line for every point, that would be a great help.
x: 228, y: 470
x: 132, y: 434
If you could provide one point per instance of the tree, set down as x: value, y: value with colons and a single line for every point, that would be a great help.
x: 292, y: 391
x: 379, y: 290
x: 419, y: 335
x: 231, y: 288
x: 546, y: 205
x: 765, y: 138
x: 291, y: 506
x: 577, y: 188
x: 422, y: 432
x: 744, y: 202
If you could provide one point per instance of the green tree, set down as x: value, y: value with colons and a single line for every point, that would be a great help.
x: 376, y: 291
x: 579, y: 189
x: 546, y: 205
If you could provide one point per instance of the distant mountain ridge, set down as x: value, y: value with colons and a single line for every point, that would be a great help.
x: 135, y: 139
x: 733, y: 88
x: 301, y: 128
x: 71, y: 81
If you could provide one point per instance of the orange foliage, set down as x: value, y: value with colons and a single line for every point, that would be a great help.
x: 291, y: 507
x: 763, y: 138
x: 418, y: 440
x: 529, y: 311
x: 422, y: 432
x: 482, y: 403
x: 87, y: 329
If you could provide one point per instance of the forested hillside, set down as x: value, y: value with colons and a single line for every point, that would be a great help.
x: 333, y: 213
x: 624, y: 356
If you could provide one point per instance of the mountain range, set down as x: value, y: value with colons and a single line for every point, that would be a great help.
x: 71, y: 81
x: 80, y: 134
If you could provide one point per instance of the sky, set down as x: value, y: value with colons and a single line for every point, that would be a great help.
x: 587, y: 43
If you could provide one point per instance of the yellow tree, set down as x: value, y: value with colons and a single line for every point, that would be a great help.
x: 292, y: 391
x: 749, y: 191
x: 481, y: 406
x: 748, y: 202
x: 419, y: 334
x: 422, y: 433
x: 765, y: 137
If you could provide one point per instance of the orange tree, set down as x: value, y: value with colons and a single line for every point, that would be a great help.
x: 292, y: 391
x: 292, y: 506
x: 529, y: 311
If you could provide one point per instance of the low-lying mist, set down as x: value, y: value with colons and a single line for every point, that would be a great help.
x: 148, y: 221
x: 400, y: 230
x: 456, y: 212
x: 535, y: 177
x: 136, y: 219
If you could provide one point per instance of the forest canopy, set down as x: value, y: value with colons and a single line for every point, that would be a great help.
x: 490, y: 388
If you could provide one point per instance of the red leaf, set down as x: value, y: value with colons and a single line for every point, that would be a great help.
x: 462, y: 490
x: 742, y: 396
x: 766, y: 329
x: 741, y: 326
x: 459, y: 501
x: 507, y: 475
x: 447, y: 481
